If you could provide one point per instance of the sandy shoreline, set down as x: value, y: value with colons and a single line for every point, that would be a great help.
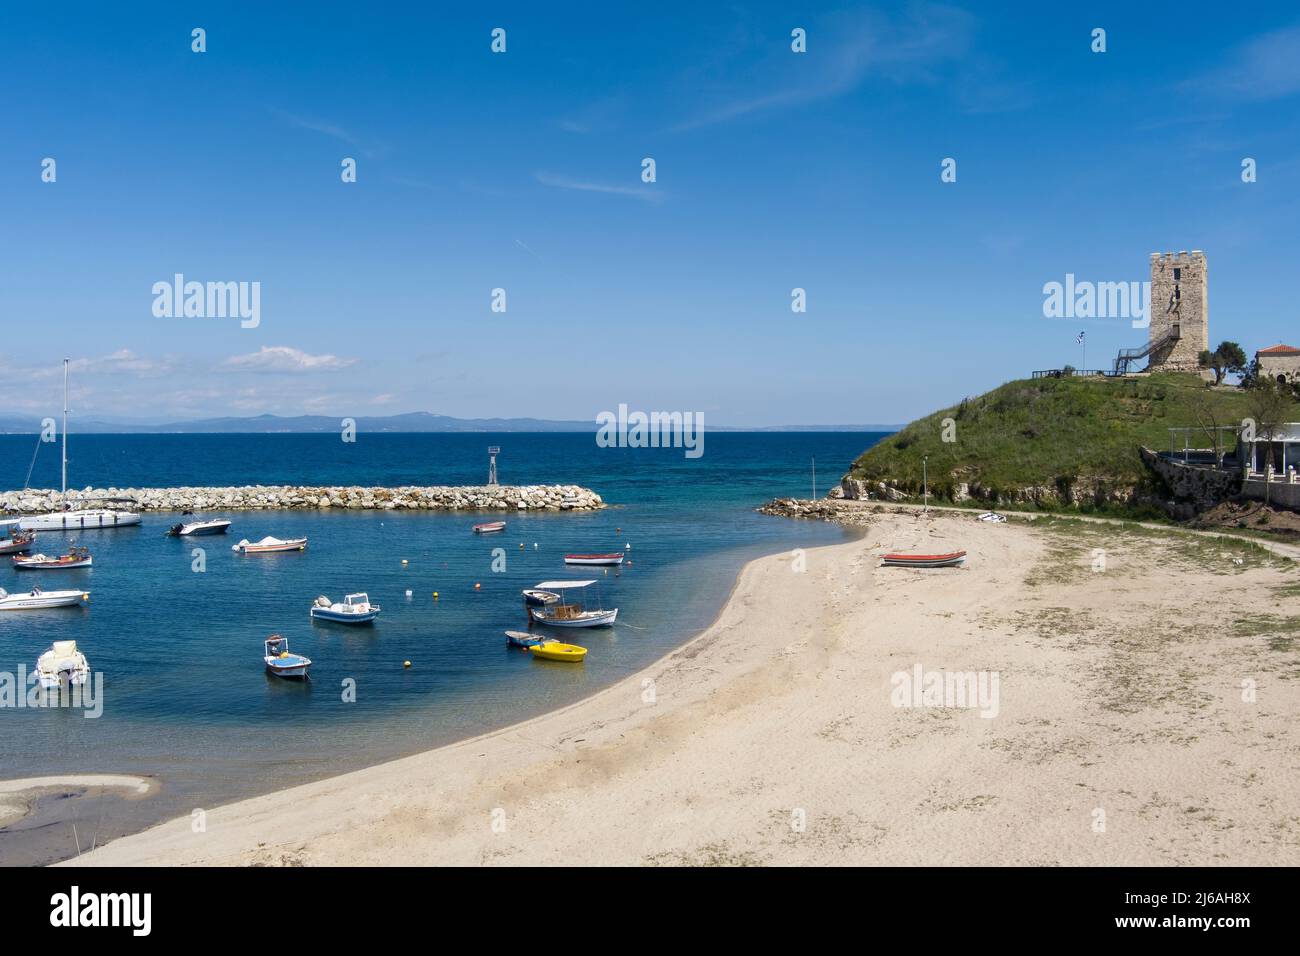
x: 1121, y: 735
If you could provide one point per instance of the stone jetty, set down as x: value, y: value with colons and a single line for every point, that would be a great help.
x: 271, y: 497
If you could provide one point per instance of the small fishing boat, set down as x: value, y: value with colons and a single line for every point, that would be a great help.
x: 598, y: 559
x: 489, y: 527
x: 537, y: 598
x: 557, y: 651
x: 951, y: 559
x: 270, y: 545
x: 75, y: 558
x: 280, y: 662
x: 195, y: 528
x: 36, y: 599
x: 570, y: 613
x: 17, y: 542
x: 355, y: 609
x: 992, y: 516
x: 523, y: 639
x: 62, y: 664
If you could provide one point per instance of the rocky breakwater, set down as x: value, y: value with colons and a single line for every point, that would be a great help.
x: 825, y: 510
x: 272, y: 497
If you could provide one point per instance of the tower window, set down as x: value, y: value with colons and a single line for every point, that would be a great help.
x: 1178, y: 274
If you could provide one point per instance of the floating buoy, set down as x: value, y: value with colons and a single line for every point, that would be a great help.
x: 534, y: 545
x: 404, y: 560
x: 406, y: 663
x: 408, y: 593
x: 477, y: 585
x: 627, y: 547
x: 618, y: 529
x: 435, y: 595
x: 521, y: 546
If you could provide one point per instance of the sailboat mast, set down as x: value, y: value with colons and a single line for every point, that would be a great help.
x: 65, y: 434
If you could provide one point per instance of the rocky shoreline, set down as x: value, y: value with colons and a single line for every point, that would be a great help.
x: 272, y: 497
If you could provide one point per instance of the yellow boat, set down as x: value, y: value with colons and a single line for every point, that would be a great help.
x: 557, y: 651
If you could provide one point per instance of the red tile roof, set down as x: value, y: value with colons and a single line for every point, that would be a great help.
x: 1279, y: 350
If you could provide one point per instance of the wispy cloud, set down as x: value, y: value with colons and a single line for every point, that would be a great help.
x: 644, y: 193
x: 283, y: 358
x: 843, y: 53
x: 1266, y: 67
x: 326, y: 129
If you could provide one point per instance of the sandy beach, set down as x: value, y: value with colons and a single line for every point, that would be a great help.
x: 1146, y: 693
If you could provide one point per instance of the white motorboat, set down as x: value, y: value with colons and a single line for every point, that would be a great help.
x: 78, y: 519
x: 62, y: 664
x: 193, y: 528
x: 355, y: 609
x: 534, y: 597
x: 280, y: 662
x: 36, y: 599
x: 75, y: 558
x: 566, y: 613
x: 270, y: 545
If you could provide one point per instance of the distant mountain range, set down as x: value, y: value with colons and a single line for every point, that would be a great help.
x: 409, y: 422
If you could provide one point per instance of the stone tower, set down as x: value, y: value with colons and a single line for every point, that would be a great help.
x: 1180, y: 311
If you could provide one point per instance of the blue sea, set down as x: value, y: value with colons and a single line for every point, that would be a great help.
x: 186, y: 698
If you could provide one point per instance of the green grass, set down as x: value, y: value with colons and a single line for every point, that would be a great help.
x: 1049, y: 433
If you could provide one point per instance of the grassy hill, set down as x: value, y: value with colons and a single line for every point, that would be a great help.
x: 1069, y: 434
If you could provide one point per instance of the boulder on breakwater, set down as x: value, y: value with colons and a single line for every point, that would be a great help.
x: 271, y: 497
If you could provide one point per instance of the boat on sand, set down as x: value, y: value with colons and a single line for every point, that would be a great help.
x: 951, y: 559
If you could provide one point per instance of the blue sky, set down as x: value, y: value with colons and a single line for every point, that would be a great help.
x: 521, y: 170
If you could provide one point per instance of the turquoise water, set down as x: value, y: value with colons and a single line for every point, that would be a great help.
x: 185, y: 694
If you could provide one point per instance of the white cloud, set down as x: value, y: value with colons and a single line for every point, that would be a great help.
x: 283, y: 358
x: 645, y: 194
x: 1264, y: 68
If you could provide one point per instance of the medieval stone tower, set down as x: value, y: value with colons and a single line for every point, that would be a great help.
x: 1180, y: 311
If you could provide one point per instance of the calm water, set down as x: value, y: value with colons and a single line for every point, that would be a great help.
x: 186, y: 697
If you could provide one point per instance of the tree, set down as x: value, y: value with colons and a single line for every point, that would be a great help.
x: 1228, y: 358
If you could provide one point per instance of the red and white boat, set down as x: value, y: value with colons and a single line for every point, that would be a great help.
x: 270, y: 545
x: 75, y: 558
x: 951, y: 559
x: 615, y: 557
x: 489, y: 527
x: 16, y: 541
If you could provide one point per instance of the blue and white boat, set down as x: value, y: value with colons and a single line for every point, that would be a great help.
x: 280, y: 662
x: 355, y: 609
x: 524, y: 639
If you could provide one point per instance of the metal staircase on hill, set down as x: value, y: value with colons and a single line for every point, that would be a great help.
x: 1127, y: 357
